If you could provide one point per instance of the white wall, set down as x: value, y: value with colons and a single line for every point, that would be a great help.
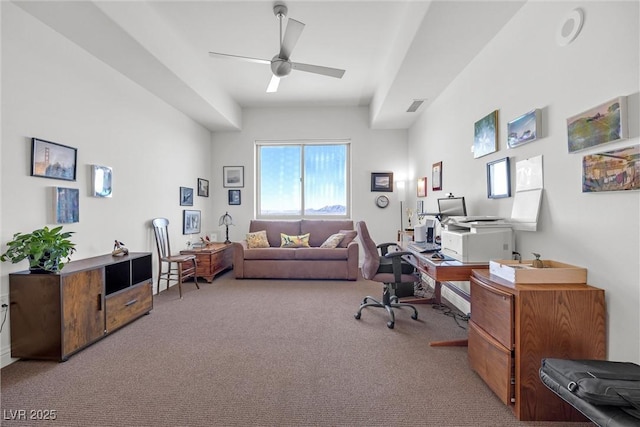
x: 54, y: 90
x: 371, y: 151
x: 522, y: 69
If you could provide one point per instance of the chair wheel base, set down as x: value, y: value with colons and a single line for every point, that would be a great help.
x: 357, y: 316
x: 414, y: 316
x: 390, y: 325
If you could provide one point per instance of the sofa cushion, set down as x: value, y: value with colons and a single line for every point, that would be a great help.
x: 257, y: 239
x: 274, y: 228
x: 321, y: 229
x: 321, y: 253
x: 349, y: 236
x: 287, y: 241
x: 271, y: 253
x: 332, y: 241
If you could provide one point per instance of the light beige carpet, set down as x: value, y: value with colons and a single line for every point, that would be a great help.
x: 263, y: 353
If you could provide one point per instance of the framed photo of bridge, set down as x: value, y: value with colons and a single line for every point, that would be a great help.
x: 53, y: 160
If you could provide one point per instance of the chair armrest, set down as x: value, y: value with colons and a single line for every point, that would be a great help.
x: 396, y: 254
x: 384, y: 247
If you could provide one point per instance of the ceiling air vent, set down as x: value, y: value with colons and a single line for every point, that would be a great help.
x: 415, y: 105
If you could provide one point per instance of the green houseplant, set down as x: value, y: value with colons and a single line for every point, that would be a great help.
x: 46, y: 249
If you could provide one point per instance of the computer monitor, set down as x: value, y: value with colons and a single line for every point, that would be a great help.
x: 452, y: 206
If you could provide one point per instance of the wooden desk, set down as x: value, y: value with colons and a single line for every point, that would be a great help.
x: 212, y: 259
x: 442, y: 272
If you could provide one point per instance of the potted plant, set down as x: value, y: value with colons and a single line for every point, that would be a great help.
x: 46, y: 249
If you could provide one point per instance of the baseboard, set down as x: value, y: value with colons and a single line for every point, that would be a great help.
x: 5, y: 357
x: 456, y: 300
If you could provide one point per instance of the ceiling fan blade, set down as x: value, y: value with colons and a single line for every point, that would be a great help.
x: 273, y: 84
x: 242, y: 58
x: 291, y: 36
x: 317, y: 69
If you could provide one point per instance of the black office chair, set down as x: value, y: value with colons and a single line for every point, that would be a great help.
x: 388, y: 268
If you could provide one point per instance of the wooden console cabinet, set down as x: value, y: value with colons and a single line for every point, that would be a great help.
x: 513, y: 327
x: 56, y: 315
x: 212, y: 259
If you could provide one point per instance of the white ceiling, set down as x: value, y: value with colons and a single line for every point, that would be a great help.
x: 393, y: 51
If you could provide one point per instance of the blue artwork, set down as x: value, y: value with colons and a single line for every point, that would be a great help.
x: 67, y: 207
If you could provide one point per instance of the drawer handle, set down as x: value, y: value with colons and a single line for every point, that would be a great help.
x: 133, y: 301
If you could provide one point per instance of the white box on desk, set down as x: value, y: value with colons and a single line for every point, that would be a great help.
x: 523, y: 272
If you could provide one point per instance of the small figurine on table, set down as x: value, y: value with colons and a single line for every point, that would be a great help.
x: 119, y: 249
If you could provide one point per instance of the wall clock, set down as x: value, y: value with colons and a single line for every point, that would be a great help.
x: 382, y: 201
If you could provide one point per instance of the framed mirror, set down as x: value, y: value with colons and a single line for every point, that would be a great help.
x: 498, y: 179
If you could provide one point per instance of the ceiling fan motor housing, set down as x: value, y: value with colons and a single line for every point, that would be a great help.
x: 280, y: 67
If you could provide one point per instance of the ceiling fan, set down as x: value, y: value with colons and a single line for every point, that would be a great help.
x: 281, y: 65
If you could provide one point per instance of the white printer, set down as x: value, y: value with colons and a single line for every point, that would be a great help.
x: 477, y: 239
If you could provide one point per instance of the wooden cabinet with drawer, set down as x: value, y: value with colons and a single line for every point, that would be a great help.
x: 514, y: 326
x: 56, y: 315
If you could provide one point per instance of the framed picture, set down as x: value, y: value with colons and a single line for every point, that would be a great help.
x: 420, y: 206
x: 436, y: 176
x: 605, y: 123
x: 422, y: 187
x: 523, y: 129
x: 234, y: 197
x: 233, y: 176
x: 485, y: 135
x: 615, y: 170
x: 498, y: 179
x: 382, y: 181
x: 203, y: 187
x: 101, y: 181
x: 52, y: 160
x: 66, y: 205
x: 186, y: 196
x: 190, y: 222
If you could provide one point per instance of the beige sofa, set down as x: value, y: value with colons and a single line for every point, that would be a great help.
x: 311, y: 262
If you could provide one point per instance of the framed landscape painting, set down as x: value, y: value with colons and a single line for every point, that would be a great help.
x: 615, y: 170
x: 600, y: 125
x: 233, y: 176
x: 382, y: 181
x: 523, y: 129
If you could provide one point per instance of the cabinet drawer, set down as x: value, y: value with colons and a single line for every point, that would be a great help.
x: 127, y: 305
x: 492, y: 310
x: 492, y: 361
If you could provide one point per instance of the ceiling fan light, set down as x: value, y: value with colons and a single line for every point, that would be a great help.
x: 280, y: 67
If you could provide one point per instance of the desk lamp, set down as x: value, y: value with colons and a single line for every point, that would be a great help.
x: 226, y: 220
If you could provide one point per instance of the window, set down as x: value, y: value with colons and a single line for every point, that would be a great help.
x: 297, y: 179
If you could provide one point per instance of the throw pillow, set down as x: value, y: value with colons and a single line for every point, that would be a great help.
x: 257, y: 240
x: 349, y: 236
x: 332, y: 241
x: 301, y: 241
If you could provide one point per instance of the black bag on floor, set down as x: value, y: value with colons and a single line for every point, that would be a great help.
x: 598, y: 382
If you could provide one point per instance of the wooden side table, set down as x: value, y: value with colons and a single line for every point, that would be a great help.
x: 212, y: 259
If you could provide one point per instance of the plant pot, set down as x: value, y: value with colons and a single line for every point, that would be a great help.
x: 40, y: 268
